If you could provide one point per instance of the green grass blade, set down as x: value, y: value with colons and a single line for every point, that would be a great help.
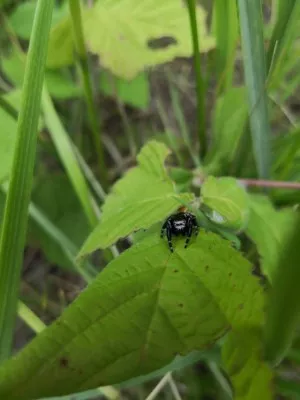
x: 64, y: 147
x: 200, y: 84
x: 285, y: 30
x: 251, y: 24
x: 284, y: 305
x: 75, y: 11
x: 30, y: 318
x: 226, y: 28
x: 14, y: 226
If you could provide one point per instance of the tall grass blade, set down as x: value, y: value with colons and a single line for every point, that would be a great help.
x: 251, y: 24
x: 284, y: 305
x: 226, y: 28
x: 14, y: 226
x: 75, y: 11
x: 65, y: 150
x: 285, y: 30
x: 200, y: 84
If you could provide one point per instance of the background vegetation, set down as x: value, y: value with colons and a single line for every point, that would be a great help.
x: 113, y: 114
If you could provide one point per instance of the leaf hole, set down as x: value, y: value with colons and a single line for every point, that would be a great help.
x: 161, y: 43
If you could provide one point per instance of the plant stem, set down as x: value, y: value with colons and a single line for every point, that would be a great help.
x: 270, y: 184
x: 14, y: 227
x: 75, y: 11
x: 200, y: 86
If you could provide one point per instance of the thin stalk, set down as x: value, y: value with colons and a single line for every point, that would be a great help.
x: 200, y: 85
x: 270, y: 184
x: 168, y: 132
x: 182, y: 123
x: 13, y: 233
x: 30, y: 318
x: 75, y: 11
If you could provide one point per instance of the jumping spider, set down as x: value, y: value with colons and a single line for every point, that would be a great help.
x: 181, y: 223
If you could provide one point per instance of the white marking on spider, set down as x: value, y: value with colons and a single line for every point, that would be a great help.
x: 180, y: 225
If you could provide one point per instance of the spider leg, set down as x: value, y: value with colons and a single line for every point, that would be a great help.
x: 189, y: 233
x: 169, y: 237
x: 163, y: 229
x: 195, y: 225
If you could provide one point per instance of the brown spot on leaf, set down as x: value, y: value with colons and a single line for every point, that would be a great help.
x: 64, y: 362
x: 241, y: 306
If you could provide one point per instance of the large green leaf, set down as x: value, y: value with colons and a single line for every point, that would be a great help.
x: 119, y: 326
x: 243, y: 358
x: 226, y: 197
x: 126, y: 34
x: 268, y: 229
x: 143, y: 197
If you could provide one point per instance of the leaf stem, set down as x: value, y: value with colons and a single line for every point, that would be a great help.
x: 200, y: 86
x: 270, y: 184
x: 75, y: 11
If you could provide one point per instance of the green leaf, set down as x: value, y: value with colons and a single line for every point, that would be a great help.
x: 7, y: 142
x: 242, y: 355
x: 143, y: 197
x: 268, y: 228
x: 135, y: 92
x: 129, y: 36
x: 284, y: 36
x: 65, y: 213
x: 118, y: 327
x: 229, y: 121
x: 284, y: 304
x: 226, y: 28
x: 227, y: 198
x: 61, y: 49
x: 60, y: 85
x: 21, y: 20
x: 251, y: 25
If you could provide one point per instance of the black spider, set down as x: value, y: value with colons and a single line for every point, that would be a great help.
x: 181, y: 223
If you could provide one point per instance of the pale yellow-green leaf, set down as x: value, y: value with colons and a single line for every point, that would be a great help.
x: 143, y: 197
x: 120, y: 31
x: 268, y: 228
x: 227, y: 198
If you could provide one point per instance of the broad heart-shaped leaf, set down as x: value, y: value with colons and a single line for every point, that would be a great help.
x: 143, y: 197
x: 268, y: 229
x: 226, y: 197
x: 242, y: 355
x: 146, y: 307
x: 130, y: 35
